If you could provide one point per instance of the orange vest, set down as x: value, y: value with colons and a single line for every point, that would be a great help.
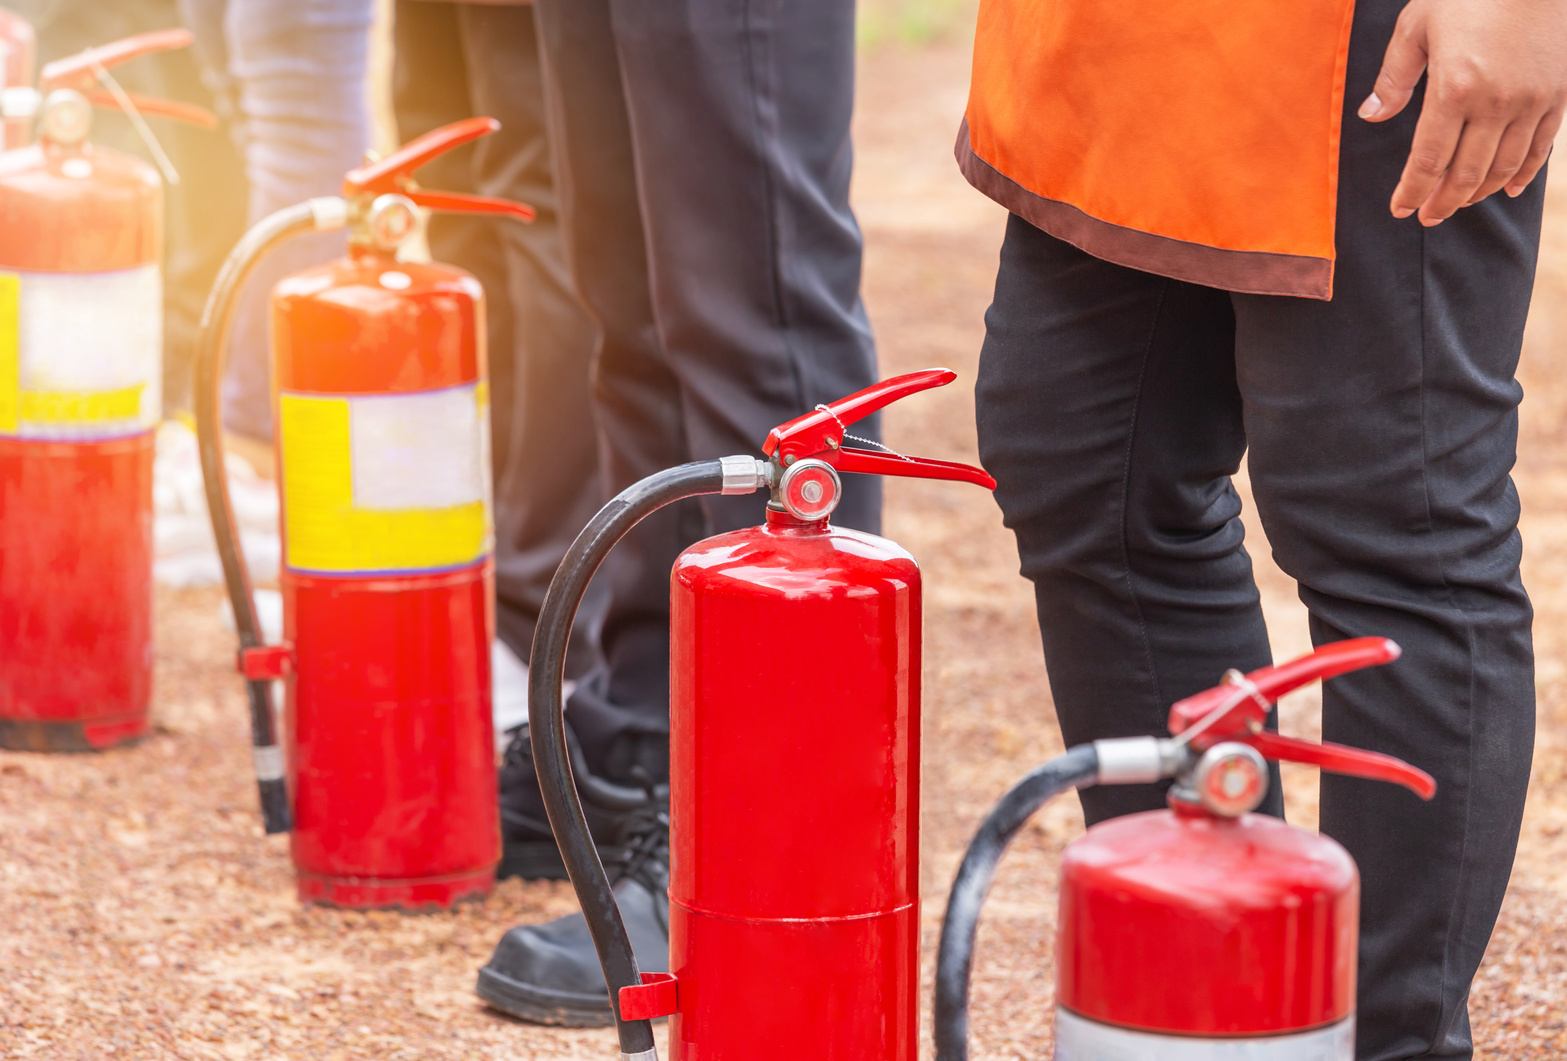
x: 1196, y: 139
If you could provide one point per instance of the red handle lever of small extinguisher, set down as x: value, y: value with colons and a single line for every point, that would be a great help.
x: 79, y: 71
x: 820, y: 434
x: 82, y: 71
x: 1247, y: 699
x: 1338, y: 759
x: 1235, y: 709
x: 394, y: 173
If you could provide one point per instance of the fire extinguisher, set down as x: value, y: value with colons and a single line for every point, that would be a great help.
x: 18, y: 47
x: 1203, y: 932
x: 794, y: 758
x: 382, y: 441
x: 81, y: 349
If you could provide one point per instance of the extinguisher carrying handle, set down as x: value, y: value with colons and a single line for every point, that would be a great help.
x: 821, y: 432
x: 217, y: 320
x: 394, y: 173
x: 84, y: 70
x: 546, y: 717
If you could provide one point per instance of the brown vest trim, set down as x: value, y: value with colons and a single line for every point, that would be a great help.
x: 1248, y: 272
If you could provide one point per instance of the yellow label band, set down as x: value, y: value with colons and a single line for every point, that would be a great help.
x: 82, y: 407
x: 10, y: 351
x: 419, y: 511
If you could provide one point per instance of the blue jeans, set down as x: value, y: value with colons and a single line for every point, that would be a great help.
x: 293, y: 74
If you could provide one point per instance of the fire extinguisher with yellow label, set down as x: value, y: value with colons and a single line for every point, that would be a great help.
x: 81, y: 348
x: 387, y: 773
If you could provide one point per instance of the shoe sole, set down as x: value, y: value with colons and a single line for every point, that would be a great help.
x: 536, y: 1005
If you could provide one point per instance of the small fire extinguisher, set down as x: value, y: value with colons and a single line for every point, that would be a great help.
x: 794, y: 759
x: 18, y: 46
x: 387, y: 770
x: 1203, y: 932
x: 81, y: 350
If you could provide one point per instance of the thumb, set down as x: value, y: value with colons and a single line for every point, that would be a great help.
x: 1402, y: 66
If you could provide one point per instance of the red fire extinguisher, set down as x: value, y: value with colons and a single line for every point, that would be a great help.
x: 81, y: 349
x: 382, y: 441
x: 794, y: 759
x: 17, y: 49
x: 1203, y: 932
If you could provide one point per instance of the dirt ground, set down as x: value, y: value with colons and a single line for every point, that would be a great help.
x: 143, y: 914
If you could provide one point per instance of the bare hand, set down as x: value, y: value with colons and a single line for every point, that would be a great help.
x: 1495, y: 94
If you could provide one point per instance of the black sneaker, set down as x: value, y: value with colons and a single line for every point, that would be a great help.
x: 528, y: 848
x: 550, y: 974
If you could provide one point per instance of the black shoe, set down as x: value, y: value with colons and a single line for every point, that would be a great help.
x: 550, y: 974
x: 528, y: 848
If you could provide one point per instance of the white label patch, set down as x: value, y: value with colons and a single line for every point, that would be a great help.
x: 88, y: 355
x: 1079, y: 1039
x: 422, y: 450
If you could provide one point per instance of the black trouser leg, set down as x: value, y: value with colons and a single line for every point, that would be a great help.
x: 1383, y: 426
x: 547, y: 484
x: 455, y: 61
x: 708, y: 229
x: 1109, y: 415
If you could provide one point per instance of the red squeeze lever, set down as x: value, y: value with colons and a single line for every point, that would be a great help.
x: 80, y: 72
x: 394, y: 173
x: 820, y: 434
x: 1235, y: 710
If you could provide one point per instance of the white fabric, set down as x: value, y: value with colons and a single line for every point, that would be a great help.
x: 417, y: 451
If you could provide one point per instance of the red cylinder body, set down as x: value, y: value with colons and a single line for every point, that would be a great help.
x: 1181, y: 931
x: 794, y: 763
x: 382, y: 440
x: 81, y: 318
x: 18, y: 47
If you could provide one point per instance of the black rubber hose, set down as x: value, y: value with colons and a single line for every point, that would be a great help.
x: 547, y: 724
x: 217, y: 320
x: 1077, y: 768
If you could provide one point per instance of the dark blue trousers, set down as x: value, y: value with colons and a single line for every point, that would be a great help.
x: 1379, y: 429
x: 702, y: 155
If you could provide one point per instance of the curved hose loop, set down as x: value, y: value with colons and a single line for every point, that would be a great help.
x: 1076, y: 768
x: 217, y: 319
x: 546, y: 720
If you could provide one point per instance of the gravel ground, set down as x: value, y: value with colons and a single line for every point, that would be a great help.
x: 145, y: 915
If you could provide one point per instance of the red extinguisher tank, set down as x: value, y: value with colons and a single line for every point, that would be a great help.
x: 382, y: 440
x: 794, y: 788
x: 1203, y: 932
x: 794, y: 814
x: 81, y: 349
x: 382, y: 444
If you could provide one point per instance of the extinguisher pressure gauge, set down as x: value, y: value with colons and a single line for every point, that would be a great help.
x: 65, y: 118
x: 810, y: 490
x: 1230, y: 779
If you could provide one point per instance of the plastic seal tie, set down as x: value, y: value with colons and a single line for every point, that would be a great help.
x: 171, y: 176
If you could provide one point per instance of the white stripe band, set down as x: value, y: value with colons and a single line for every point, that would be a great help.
x: 1079, y: 1039
x: 643, y: 1055
x: 269, y: 762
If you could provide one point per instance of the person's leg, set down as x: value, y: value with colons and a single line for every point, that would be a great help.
x: 620, y: 711
x: 299, y: 67
x: 1109, y: 416
x: 1383, y: 426
x: 546, y: 476
x: 747, y: 265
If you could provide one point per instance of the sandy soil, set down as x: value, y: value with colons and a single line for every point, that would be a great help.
x: 146, y: 916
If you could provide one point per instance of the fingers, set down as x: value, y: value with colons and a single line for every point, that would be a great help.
x: 1511, y: 151
x: 1539, y: 151
x: 1436, y: 139
x: 1471, y: 162
x: 1402, y: 65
